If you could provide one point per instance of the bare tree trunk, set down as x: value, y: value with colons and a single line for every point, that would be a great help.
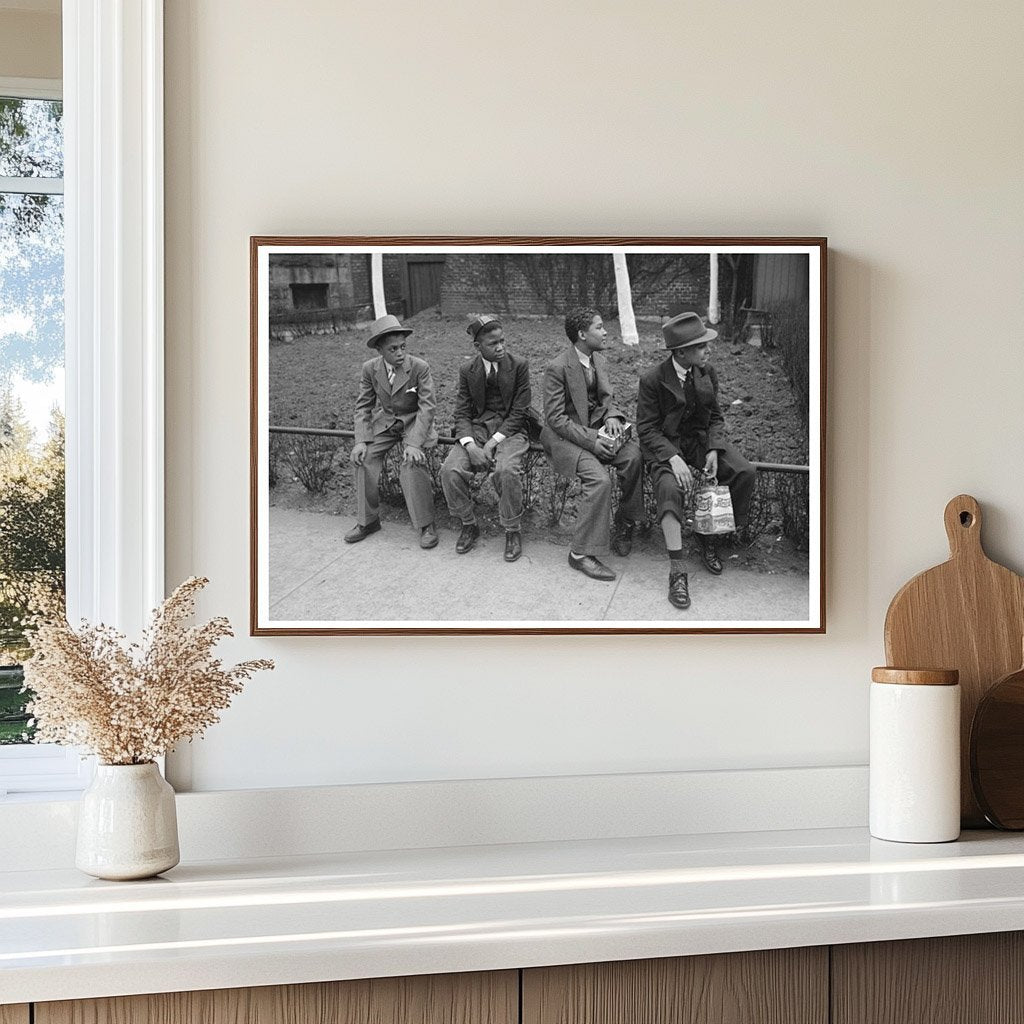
x: 714, y: 311
x: 627, y: 321
x: 377, y: 280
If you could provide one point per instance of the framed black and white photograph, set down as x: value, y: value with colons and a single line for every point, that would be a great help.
x: 537, y: 435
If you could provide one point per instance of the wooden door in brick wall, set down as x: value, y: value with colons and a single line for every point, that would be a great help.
x: 423, y: 282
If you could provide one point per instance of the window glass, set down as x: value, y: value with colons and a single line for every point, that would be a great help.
x: 31, y: 386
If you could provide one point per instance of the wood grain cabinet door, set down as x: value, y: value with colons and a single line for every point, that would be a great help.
x: 960, y: 979
x: 777, y: 986
x: 14, y: 1014
x: 481, y: 998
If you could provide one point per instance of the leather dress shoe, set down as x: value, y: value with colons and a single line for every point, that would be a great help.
x: 360, y: 532
x: 513, y: 545
x: 622, y: 541
x: 590, y: 566
x: 428, y: 537
x: 709, y: 556
x: 679, y: 590
x: 467, y: 538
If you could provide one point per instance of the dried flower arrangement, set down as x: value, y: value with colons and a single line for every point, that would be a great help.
x: 129, y: 704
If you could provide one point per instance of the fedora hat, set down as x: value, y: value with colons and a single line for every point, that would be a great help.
x: 479, y: 321
x: 385, y: 325
x: 686, y: 329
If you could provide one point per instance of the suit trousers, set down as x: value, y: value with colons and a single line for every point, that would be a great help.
x: 415, y: 480
x: 457, y: 473
x: 593, y: 524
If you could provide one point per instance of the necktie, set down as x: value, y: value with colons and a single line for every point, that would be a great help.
x: 491, y: 371
x: 588, y: 372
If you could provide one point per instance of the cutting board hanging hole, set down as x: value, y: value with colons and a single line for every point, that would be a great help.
x: 963, y: 526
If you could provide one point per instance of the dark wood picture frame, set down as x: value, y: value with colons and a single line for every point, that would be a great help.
x: 816, y: 622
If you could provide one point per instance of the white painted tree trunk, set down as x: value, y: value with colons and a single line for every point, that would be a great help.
x: 627, y: 321
x: 377, y: 281
x: 714, y: 312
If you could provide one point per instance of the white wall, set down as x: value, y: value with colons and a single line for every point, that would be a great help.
x: 894, y: 129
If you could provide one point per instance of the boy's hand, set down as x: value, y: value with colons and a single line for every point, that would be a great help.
x: 605, y: 447
x: 614, y: 425
x: 681, y: 471
x: 413, y: 455
x: 358, y: 454
x: 711, y: 464
x: 489, y: 449
x: 477, y: 456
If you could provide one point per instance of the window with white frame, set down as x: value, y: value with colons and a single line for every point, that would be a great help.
x: 32, y: 525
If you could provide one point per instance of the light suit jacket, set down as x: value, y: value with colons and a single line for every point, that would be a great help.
x: 409, y: 401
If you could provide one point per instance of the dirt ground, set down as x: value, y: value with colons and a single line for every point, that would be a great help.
x: 314, y: 382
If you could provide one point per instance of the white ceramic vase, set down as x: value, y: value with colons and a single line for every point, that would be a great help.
x: 127, y: 825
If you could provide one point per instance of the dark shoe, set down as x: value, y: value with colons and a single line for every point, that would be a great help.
x: 513, y: 545
x: 428, y: 537
x: 467, y: 538
x: 590, y: 566
x: 679, y: 589
x: 360, y: 532
x: 709, y: 556
x: 622, y: 542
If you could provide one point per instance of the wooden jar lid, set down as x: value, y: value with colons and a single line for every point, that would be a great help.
x: 916, y: 676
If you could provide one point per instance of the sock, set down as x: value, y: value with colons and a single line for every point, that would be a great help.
x: 675, y: 559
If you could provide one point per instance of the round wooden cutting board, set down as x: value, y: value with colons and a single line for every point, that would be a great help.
x: 967, y: 614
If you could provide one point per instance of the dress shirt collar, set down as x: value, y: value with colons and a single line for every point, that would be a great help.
x: 489, y: 366
x: 681, y: 371
x: 584, y: 358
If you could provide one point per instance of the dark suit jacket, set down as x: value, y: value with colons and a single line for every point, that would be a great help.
x: 409, y: 401
x: 671, y: 420
x: 567, y: 425
x: 514, y: 382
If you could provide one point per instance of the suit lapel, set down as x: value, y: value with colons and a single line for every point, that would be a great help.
x: 477, y: 383
x: 505, y: 380
x: 381, y: 371
x: 670, y: 379
x: 577, y: 384
x: 401, y: 377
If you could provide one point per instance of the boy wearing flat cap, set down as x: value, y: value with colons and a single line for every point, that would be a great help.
x: 395, y: 406
x: 491, y: 417
x: 681, y: 426
x: 583, y: 435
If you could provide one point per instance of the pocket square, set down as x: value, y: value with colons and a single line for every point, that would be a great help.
x: 411, y: 391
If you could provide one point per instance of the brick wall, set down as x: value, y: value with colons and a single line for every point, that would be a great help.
x: 543, y: 284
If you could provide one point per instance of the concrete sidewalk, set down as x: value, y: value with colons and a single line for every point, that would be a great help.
x: 315, y: 576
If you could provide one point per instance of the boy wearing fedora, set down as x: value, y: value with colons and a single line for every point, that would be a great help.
x: 681, y: 426
x: 395, y: 406
x: 492, y: 413
x: 583, y: 435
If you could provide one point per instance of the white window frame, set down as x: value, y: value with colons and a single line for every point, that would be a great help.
x: 114, y: 346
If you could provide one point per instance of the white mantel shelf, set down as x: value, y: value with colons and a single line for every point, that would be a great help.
x: 224, y: 924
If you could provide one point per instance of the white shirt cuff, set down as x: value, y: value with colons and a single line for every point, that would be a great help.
x: 465, y: 441
x: 497, y: 437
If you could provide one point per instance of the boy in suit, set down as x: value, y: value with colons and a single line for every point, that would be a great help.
x: 491, y: 417
x: 681, y: 425
x: 582, y: 436
x: 395, y: 405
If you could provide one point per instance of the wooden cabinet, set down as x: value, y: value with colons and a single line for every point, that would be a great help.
x: 776, y: 986
x: 961, y: 979
x: 966, y: 979
x: 481, y: 998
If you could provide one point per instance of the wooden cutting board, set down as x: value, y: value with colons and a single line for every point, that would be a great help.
x: 967, y: 614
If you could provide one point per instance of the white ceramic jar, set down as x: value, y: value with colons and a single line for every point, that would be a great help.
x: 127, y: 823
x: 915, y: 755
